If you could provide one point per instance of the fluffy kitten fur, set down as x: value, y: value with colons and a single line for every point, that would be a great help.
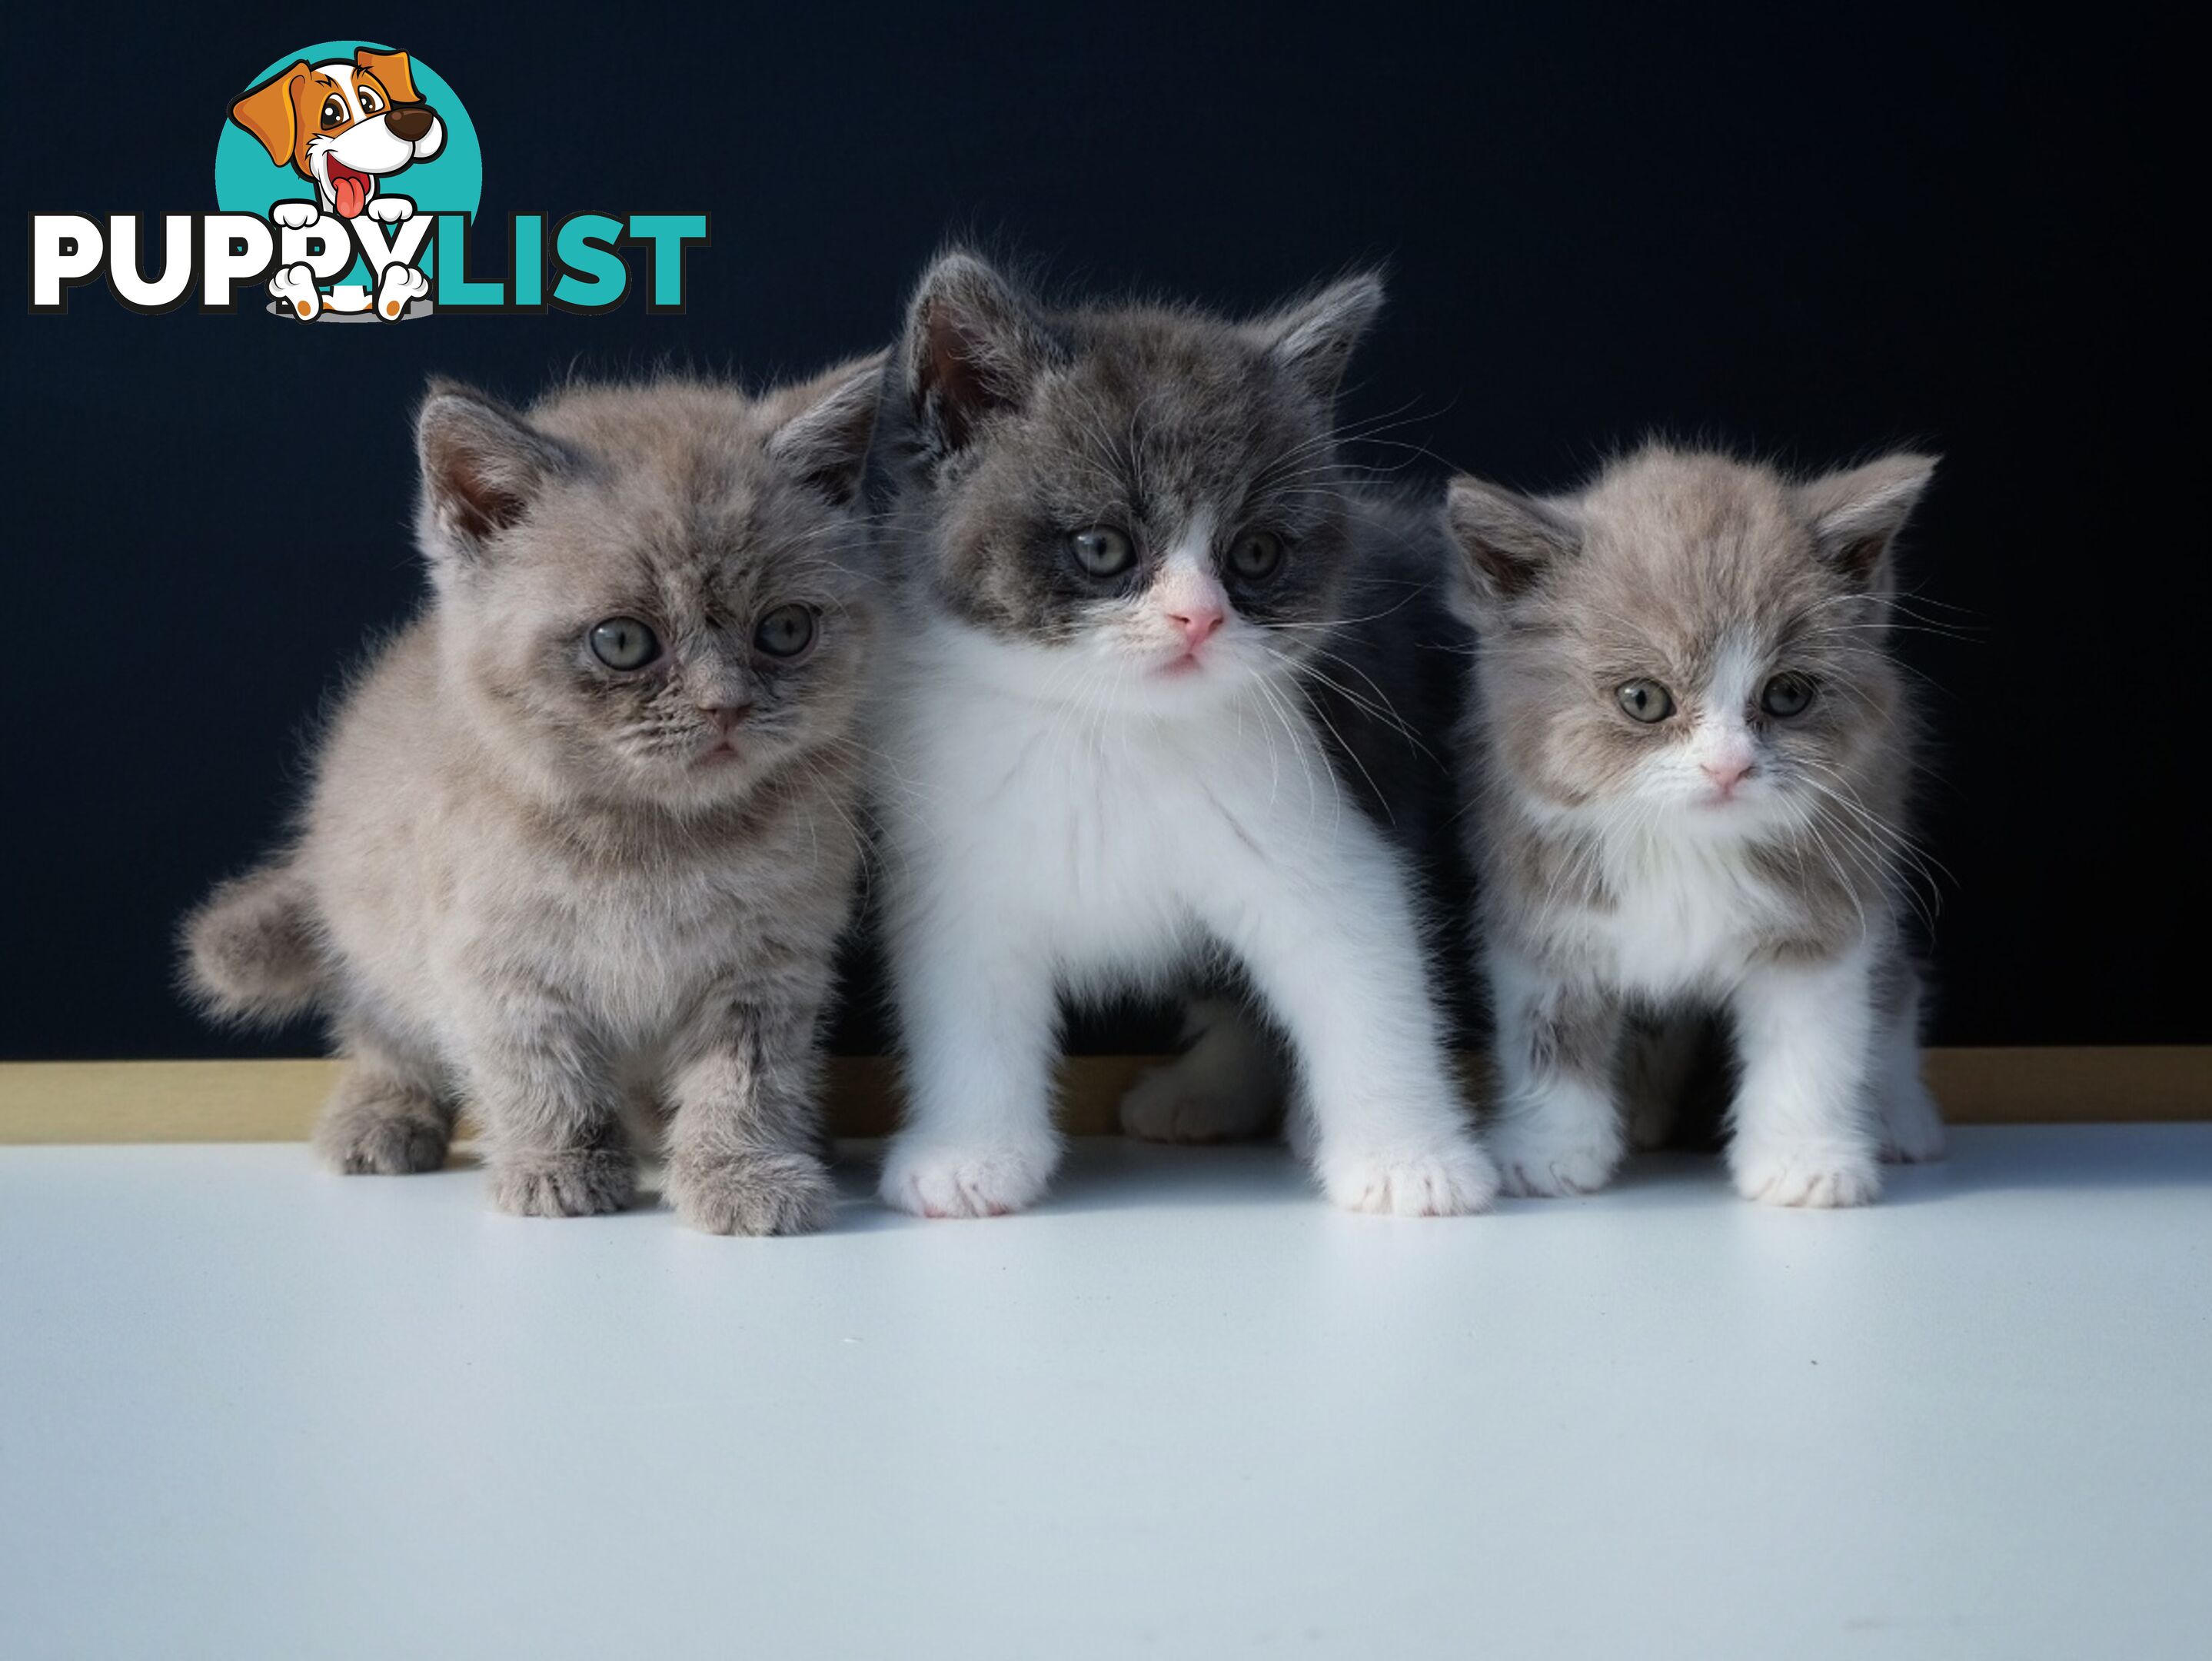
x: 576, y: 897
x: 1109, y: 780
x: 1729, y: 854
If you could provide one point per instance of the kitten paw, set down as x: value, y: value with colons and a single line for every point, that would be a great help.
x: 1225, y: 1087
x: 770, y: 1193
x: 589, y: 1184
x: 1533, y: 1165
x: 1818, y: 1176
x: 939, y: 1180
x: 369, y: 1130
x: 1167, y: 1105
x: 1447, y: 1181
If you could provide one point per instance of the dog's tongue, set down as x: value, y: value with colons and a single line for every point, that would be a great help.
x: 351, y: 189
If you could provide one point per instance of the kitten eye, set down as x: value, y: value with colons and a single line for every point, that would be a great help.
x: 1101, y: 552
x: 1646, y: 700
x: 623, y: 643
x: 785, y: 632
x: 1256, y: 555
x: 1786, y: 695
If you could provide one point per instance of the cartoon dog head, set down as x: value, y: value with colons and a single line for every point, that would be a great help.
x: 344, y: 125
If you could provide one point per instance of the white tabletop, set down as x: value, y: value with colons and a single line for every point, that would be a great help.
x: 249, y: 1409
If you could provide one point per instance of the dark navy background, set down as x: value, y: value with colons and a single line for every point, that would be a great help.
x: 1810, y: 230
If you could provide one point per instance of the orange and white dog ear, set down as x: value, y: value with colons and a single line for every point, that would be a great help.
x: 393, y: 70
x: 270, y: 115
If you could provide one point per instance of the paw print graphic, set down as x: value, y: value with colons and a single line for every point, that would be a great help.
x: 294, y: 289
x: 399, y: 286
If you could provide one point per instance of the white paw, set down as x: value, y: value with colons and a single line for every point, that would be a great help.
x: 390, y: 210
x: 296, y: 216
x: 294, y: 289
x: 951, y: 1180
x: 1818, y: 1174
x: 1448, y: 1180
x: 1533, y: 1162
x: 398, y: 286
x: 1167, y: 1106
x: 1911, y: 1127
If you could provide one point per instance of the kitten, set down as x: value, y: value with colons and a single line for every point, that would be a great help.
x: 580, y: 841
x: 1130, y: 552
x: 1691, y: 744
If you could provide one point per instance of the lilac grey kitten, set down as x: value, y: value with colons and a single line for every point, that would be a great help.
x: 1691, y: 743
x: 581, y: 841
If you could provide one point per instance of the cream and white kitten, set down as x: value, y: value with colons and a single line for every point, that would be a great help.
x: 1129, y: 548
x: 1691, y: 746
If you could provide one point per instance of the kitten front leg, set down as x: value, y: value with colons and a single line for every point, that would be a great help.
x: 1800, y: 1127
x: 980, y: 1019
x: 743, y: 1149
x: 552, y: 1120
x: 1337, y: 957
x: 390, y: 1114
x: 1558, y: 1128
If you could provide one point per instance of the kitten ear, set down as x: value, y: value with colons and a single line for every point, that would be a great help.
x: 1313, y: 338
x: 482, y: 465
x: 1857, y: 514
x: 1507, y: 540
x: 973, y: 345
x: 824, y: 439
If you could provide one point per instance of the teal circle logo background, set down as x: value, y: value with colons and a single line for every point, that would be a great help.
x: 452, y: 181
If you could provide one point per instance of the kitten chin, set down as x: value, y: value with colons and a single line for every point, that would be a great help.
x: 582, y: 838
x: 1690, y: 744
x: 1159, y: 713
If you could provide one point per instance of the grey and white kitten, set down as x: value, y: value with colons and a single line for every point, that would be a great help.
x: 581, y: 837
x: 1133, y: 566
x: 1691, y: 743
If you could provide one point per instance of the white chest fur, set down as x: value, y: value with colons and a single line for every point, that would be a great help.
x: 1689, y: 912
x: 1105, y: 835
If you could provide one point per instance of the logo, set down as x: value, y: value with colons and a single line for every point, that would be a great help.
x: 325, y: 140
x: 348, y: 177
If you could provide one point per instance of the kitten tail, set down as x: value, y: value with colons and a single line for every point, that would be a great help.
x: 253, y: 949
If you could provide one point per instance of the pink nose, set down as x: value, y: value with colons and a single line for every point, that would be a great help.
x: 726, y: 716
x: 1726, y: 775
x: 1198, y: 624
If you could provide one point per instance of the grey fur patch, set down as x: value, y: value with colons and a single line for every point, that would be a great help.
x: 1008, y: 426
